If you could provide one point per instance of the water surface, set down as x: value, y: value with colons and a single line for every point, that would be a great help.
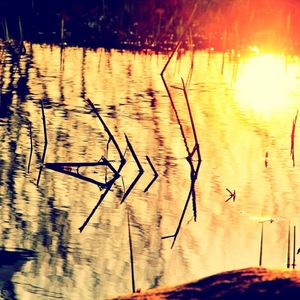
x: 240, y: 113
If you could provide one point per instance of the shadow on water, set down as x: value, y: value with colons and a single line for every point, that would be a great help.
x: 11, y: 262
x: 53, y: 227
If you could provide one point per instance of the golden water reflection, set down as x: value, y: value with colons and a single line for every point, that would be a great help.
x: 265, y: 81
x: 128, y: 91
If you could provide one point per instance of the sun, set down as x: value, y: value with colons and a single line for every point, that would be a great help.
x: 263, y: 83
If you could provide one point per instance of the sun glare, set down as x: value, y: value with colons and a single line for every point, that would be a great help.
x: 263, y: 83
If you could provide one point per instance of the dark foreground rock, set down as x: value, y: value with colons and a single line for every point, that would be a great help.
x: 250, y: 283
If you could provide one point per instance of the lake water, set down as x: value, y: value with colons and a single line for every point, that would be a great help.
x: 240, y: 113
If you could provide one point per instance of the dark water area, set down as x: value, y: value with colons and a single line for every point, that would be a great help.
x: 241, y: 112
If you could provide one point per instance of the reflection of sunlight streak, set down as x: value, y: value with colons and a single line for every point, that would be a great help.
x: 262, y: 219
x: 263, y: 84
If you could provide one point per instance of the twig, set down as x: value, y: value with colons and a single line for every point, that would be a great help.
x: 117, y: 172
x: 294, y: 249
x: 107, y: 148
x: 64, y: 168
x: 174, y: 236
x: 102, y: 197
x: 191, y: 119
x: 123, y: 160
x: 131, y: 254
x: 194, y: 172
x: 288, y: 249
x: 180, y: 39
x: 45, y: 144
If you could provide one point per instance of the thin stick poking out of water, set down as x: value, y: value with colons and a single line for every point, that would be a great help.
x: 261, y: 243
x: 294, y: 249
x: 288, y: 249
x: 131, y: 254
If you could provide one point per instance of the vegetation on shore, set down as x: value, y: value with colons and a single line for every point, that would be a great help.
x: 152, y: 24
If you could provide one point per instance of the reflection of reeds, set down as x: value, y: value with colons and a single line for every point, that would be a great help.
x: 141, y: 170
x: 196, y: 149
x: 292, y: 152
x: 155, y: 175
x: 45, y: 144
x: 31, y: 147
x: 62, y: 31
x: 20, y: 29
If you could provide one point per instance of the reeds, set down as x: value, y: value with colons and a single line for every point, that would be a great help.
x: 288, y: 255
x: 294, y: 248
x: 261, y: 244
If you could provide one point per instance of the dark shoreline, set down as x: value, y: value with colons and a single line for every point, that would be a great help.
x: 250, y: 283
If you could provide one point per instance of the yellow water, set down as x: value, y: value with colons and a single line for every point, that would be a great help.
x: 239, y: 116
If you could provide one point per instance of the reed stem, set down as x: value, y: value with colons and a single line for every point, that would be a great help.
x: 261, y: 244
x: 131, y: 254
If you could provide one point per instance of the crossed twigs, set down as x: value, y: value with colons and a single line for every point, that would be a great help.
x: 73, y: 168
